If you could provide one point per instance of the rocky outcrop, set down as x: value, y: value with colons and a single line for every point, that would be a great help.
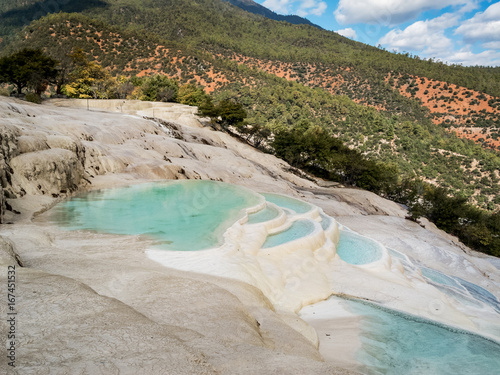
x: 53, y: 172
x: 33, y: 159
x: 8, y: 255
x: 3, y: 183
x: 8, y: 149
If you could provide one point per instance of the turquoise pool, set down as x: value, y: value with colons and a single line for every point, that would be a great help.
x: 394, y: 343
x: 180, y: 215
x: 193, y: 215
x: 440, y: 278
x: 287, y: 202
x: 480, y: 294
x: 461, y: 289
x: 298, y: 229
x: 355, y: 249
x: 266, y: 214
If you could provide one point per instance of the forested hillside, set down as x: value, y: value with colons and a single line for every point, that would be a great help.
x: 315, y: 57
x: 216, y: 24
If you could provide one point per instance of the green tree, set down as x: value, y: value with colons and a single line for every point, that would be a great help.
x: 191, y: 95
x: 305, y: 145
x: 445, y: 211
x: 88, y: 79
x: 256, y: 133
x: 159, y: 89
x: 226, y: 113
x: 231, y: 113
x: 207, y: 109
x: 64, y: 69
x: 28, y: 68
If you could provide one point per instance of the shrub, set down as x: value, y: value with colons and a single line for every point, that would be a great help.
x: 33, y: 98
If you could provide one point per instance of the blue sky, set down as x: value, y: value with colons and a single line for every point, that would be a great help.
x: 463, y: 32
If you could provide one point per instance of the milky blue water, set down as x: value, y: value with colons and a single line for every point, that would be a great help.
x: 288, y: 202
x: 298, y: 229
x: 355, y: 249
x: 266, y: 214
x: 394, y: 343
x: 181, y: 215
x: 462, y: 290
x: 480, y: 294
x: 460, y: 296
x: 439, y: 277
x: 397, y: 254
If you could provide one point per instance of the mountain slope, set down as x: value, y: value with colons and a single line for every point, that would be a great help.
x: 16, y: 14
x: 408, y: 140
x: 219, y: 27
x: 317, y: 58
x: 471, y: 114
x: 314, y: 57
x: 216, y: 25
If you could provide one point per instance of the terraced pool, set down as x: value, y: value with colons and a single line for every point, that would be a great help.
x: 355, y: 249
x: 284, y: 201
x: 197, y: 215
x: 182, y: 215
x: 263, y: 215
x: 298, y: 229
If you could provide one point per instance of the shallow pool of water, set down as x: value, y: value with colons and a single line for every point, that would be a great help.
x: 298, y: 229
x: 394, y: 343
x: 461, y: 289
x: 266, y: 214
x: 283, y: 201
x: 398, y: 255
x: 480, y: 294
x: 355, y: 249
x: 439, y: 277
x: 181, y: 215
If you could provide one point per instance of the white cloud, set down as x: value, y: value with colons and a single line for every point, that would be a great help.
x: 348, y: 33
x: 313, y: 7
x: 390, y: 12
x: 469, y: 6
x: 319, y: 9
x: 492, y: 45
x: 427, y: 38
x: 278, y: 6
x: 483, y: 27
x: 467, y: 57
x: 422, y: 36
x: 302, y: 8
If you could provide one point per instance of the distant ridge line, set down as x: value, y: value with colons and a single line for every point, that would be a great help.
x: 255, y: 8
